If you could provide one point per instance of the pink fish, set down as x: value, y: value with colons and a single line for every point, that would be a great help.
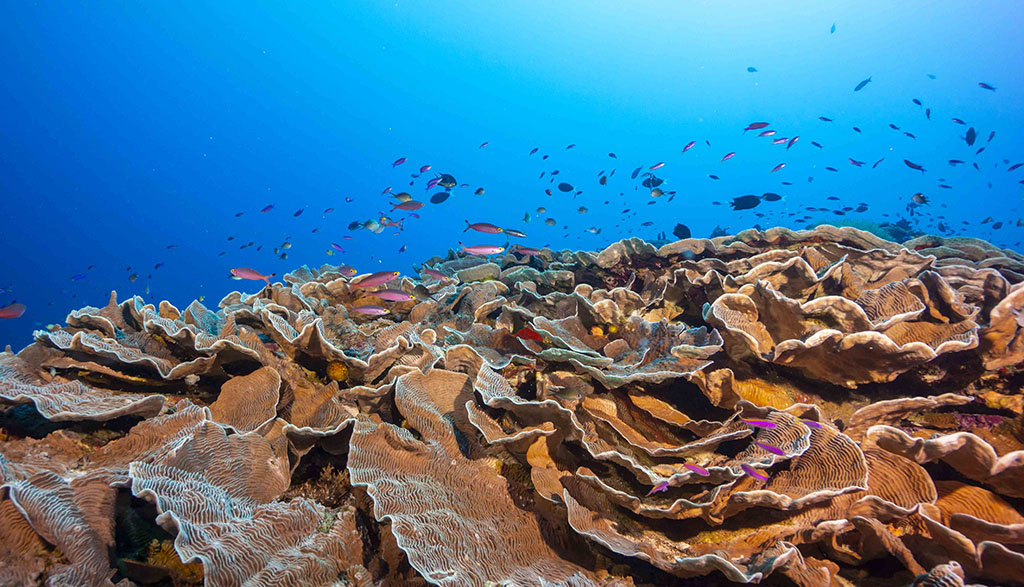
x: 393, y: 295
x: 656, y: 166
x: 526, y: 251
x: 810, y: 423
x: 780, y: 141
x: 697, y: 469
x: 370, y: 310
x: 246, y: 273
x: 408, y: 206
x: 347, y: 270
x: 766, y: 133
x: 483, y: 227
x: 348, y: 238
x: 755, y: 126
x: 375, y: 279
x: 663, y: 486
x: 481, y: 249
x: 758, y: 423
x: 386, y: 190
x: 337, y: 247
x: 771, y: 449
x: 854, y: 162
x: 729, y: 156
x: 13, y: 311
x: 753, y: 472
x: 689, y: 146
x: 398, y: 161
x: 437, y: 275
x: 777, y: 167
x: 424, y: 169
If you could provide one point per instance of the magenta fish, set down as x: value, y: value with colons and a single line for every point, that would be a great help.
x: 436, y: 275
x: 347, y: 270
x: 663, y: 486
x: 770, y: 448
x: 432, y: 183
x: 810, y: 423
x: 337, y: 247
x: 370, y: 310
x: 246, y: 273
x: 729, y: 156
x: 656, y: 166
x: 14, y: 310
x: 375, y: 279
x: 792, y: 142
x: 697, y: 469
x: 408, y: 206
x: 758, y: 423
x: 424, y: 169
x: 399, y: 161
x: 689, y: 146
x: 753, y: 472
x: 393, y: 295
x: 386, y: 190
x: 777, y: 167
x: 481, y: 249
x: 483, y: 227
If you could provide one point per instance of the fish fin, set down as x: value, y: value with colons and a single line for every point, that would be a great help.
x: 467, y: 226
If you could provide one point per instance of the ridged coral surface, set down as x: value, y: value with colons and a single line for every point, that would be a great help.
x: 808, y: 407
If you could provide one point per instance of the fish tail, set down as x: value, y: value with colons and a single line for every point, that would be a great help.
x: 467, y: 227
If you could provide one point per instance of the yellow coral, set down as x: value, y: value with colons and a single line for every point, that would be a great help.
x: 337, y: 371
x: 162, y: 554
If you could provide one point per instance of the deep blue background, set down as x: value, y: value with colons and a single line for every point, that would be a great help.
x: 128, y: 127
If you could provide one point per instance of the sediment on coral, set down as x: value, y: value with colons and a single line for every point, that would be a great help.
x: 802, y: 407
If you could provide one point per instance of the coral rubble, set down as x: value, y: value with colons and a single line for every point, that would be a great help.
x: 823, y: 407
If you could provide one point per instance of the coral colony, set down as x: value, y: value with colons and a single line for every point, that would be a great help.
x: 822, y: 407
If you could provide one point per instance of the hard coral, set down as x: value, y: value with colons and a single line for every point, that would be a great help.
x: 749, y: 405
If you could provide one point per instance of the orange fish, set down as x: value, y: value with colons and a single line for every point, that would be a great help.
x: 529, y: 334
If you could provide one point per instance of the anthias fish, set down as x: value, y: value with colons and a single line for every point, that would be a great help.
x: 375, y: 279
x: 482, y: 249
x: 247, y: 273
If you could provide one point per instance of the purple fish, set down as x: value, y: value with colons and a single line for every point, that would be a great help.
x: 437, y: 275
x: 753, y: 472
x: 914, y: 166
x: 758, y: 423
x: 771, y: 449
x: 393, y: 295
x: 689, y: 146
x: 338, y: 248
x: 729, y: 156
x: 777, y: 167
x: 792, y: 142
x: 985, y: 86
x: 483, y: 227
x: 424, y: 169
x: 267, y: 208
x: 663, y: 486
x: 370, y: 310
x: 399, y: 161
x: 375, y: 279
x: 482, y: 249
x: 810, y: 423
x: 433, y: 182
x: 780, y: 141
x: 698, y: 470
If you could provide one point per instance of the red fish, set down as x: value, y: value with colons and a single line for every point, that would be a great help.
x: 689, y: 146
x: 753, y: 472
x: 246, y: 273
x: 374, y: 279
x: 399, y: 161
x: 529, y: 334
x: 13, y: 311
x: 483, y: 227
x: 663, y: 486
x: 729, y: 156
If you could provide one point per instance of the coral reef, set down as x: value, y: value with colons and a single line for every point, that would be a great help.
x: 819, y: 407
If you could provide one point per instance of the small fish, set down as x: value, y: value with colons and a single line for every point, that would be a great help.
x: 861, y: 85
x: 483, y: 144
x: 570, y: 146
x: 370, y: 310
x: 971, y: 136
x: 338, y: 248
x: 916, y: 101
x: 267, y: 208
x: 1015, y: 166
x: 656, y: 166
x: 689, y: 146
x: 911, y: 135
x: 729, y: 156
x: 958, y: 121
x: 753, y: 472
x: 439, y: 197
x: 771, y: 449
x: 513, y: 232
x: 479, y: 192
x: 713, y: 176
x: 613, y: 155
x: 817, y: 144
x: 526, y: 251
x: 824, y: 119
x: 928, y: 113
x: 435, y: 274
x: 770, y: 197
x: 77, y: 277
x: 393, y: 295
x: 483, y: 227
x: 877, y: 162
x: 408, y: 206
x: 914, y: 166
x: 893, y: 126
x: 855, y: 163
x: 752, y: 69
x: 985, y: 86
x: 328, y: 210
x: 246, y: 273
x: 529, y: 334
x: 810, y: 423
x: 919, y: 198
x: 398, y: 161
x: 298, y: 212
x: 663, y: 486
x: 766, y: 133
x: 792, y: 142
x: 565, y: 187
x: 697, y: 469
x: 481, y: 249
x: 12, y: 311
x: 758, y: 423
x: 424, y: 169
x: 833, y: 29
x: 777, y: 167
x: 375, y: 279
x: 745, y: 202
x: 780, y: 141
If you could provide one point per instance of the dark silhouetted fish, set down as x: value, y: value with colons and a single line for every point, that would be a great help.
x: 745, y: 202
x: 972, y: 135
x: 861, y: 85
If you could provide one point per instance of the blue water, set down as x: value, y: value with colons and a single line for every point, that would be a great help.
x: 126, y: 128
